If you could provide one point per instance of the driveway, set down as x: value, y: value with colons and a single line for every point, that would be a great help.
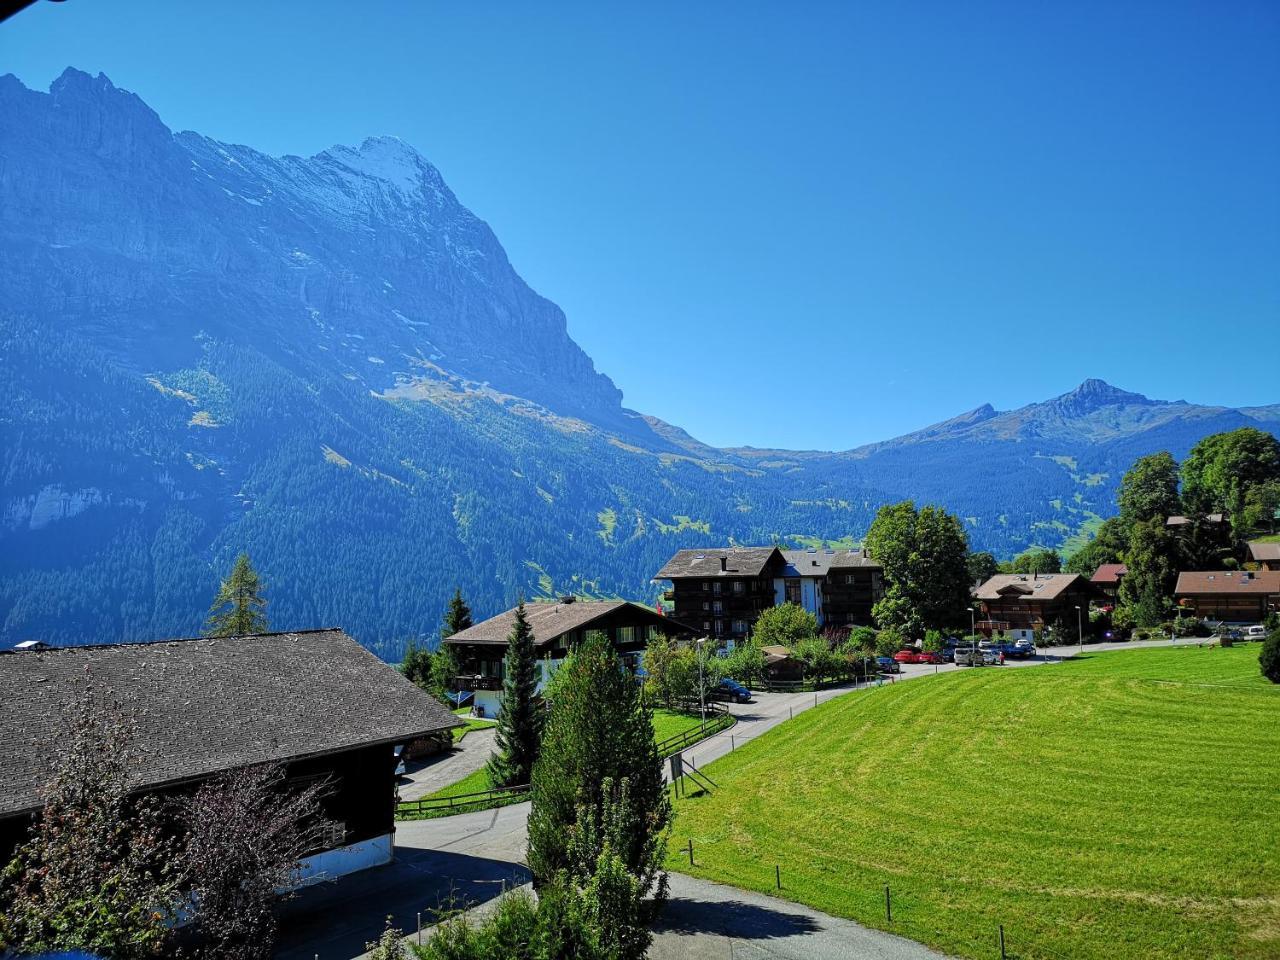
x: 468, y: 755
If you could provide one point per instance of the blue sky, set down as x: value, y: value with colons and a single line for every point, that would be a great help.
x: 887, y: 212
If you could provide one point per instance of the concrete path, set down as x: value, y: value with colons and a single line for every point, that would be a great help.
x: 468, y: 755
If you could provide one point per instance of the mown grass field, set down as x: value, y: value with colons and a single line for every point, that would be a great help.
x: 1126, y: 805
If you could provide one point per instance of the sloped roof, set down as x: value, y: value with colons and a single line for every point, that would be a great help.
x: 1264, y: 551
x: 1241, y: 582
x: 550, y: 621
x: 1180, y: 521
x: 1045, y: 586
x: 207, y: 705
x: 738, y: 562
x: 1109, y: 573
x: 818, y: 563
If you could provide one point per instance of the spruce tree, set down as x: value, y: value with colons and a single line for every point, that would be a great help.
x: 457, y: 618
x: 519, y: 731
x: 238, y: 608
x: 599, y: 736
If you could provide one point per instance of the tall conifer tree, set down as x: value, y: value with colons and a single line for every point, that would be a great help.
x: 519, y: 733
x: 457, y: 618
x: 238, y: 608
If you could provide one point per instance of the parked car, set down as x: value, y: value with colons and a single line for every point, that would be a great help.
x: 1024, y: 649
x: 731, y: 690
x: 968, y: 657
x: 1256, y: 632
x: 948, y: 654
x: 991, y: 658
x: 906, y: 656
x: 930, y: 657
x: 888, y: 665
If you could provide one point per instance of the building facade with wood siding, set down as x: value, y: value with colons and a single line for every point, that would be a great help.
x: 723, y: 591
x: 1022, y: 603
x: 1233, y: 596
x: 557, y: 627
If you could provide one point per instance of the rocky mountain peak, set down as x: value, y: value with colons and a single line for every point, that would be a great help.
x: 1094, y: 394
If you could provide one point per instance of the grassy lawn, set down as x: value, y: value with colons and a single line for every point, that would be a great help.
x: 1123, y: 805
x: 668, y: 723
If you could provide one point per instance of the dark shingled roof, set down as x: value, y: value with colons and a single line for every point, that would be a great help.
x: 208, y: 705
x: 739, y: 562
x: 550, y: 621
x: 1241, y: 582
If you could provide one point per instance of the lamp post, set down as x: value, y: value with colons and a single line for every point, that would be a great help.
x: 702, y: 697
x: 973, y: 625
x: 1080, y: 627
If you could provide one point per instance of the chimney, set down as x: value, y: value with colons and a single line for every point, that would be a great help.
x: 724, y: 564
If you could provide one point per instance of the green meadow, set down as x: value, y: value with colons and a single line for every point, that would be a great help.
x: 1123, y: 804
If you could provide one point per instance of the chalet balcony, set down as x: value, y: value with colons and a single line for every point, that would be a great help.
x: 476, y: 682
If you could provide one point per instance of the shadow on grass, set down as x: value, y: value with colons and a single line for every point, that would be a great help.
x: 732, y: 918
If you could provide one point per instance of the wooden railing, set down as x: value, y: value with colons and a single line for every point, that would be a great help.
x: 485, y: 798
x: 721, y: 719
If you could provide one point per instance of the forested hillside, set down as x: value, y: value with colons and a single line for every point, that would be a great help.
x: 329, y: 362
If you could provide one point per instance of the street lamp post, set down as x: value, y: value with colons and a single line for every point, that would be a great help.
x: 1080, y: 627
x: 973, y: 625
x: 702, y: 697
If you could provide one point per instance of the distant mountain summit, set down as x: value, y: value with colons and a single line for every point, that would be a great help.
x: 330, y: 362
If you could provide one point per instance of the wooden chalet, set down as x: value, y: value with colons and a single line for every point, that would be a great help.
x: 557, y: 627
x: 1266, y: 555
x: 1231, y: 596
x: 1106, y: 580
x: 721, y: 592
x: 315, y: 701
x: 1020, y: 603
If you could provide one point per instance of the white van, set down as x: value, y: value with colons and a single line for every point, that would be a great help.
x: 1256, y: 632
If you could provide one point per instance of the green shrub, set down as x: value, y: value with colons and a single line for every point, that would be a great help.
x: 1269, y: 656
x: 889, y: 642
x: 786, y: 625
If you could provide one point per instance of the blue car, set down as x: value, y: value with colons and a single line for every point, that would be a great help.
x: 732, y: 690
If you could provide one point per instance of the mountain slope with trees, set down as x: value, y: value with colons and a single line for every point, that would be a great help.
x: 329, y: 363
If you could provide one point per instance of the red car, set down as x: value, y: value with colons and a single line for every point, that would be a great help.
x: 929, y: 657
x: 907, y: 656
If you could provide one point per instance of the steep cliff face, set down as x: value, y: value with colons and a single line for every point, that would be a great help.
x: 361, y: 252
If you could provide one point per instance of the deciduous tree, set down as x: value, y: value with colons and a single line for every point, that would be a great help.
x: 924, y: 556
x: 99, y: 871
x: 787, y: 625
x: 1149, y: 489
x: 247, y: 831
x: 1146, y: 589
x: 1220, y: 470
x: 1036, y: 560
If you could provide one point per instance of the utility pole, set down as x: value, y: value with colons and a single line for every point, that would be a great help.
x: 1080, y: 627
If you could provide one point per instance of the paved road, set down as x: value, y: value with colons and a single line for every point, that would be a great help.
x: 472, y: 857
x: 467, y: 756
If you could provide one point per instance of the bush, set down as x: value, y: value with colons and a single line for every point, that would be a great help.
x: 786, y: 625
x: 862, y: 639
x: 889, y: 642
x: 1269, y: 656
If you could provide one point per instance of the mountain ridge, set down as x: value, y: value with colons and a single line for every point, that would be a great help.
x: 331, y: 363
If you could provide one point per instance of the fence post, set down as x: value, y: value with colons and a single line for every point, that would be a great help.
x: 888, y: 906
x: 792, y: 712
x: 815, y: 698
x: 732, y: 745
x: 419, y: 928
x: 691, y: 851
x: 777, y: 873
x: 1002, y: 954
